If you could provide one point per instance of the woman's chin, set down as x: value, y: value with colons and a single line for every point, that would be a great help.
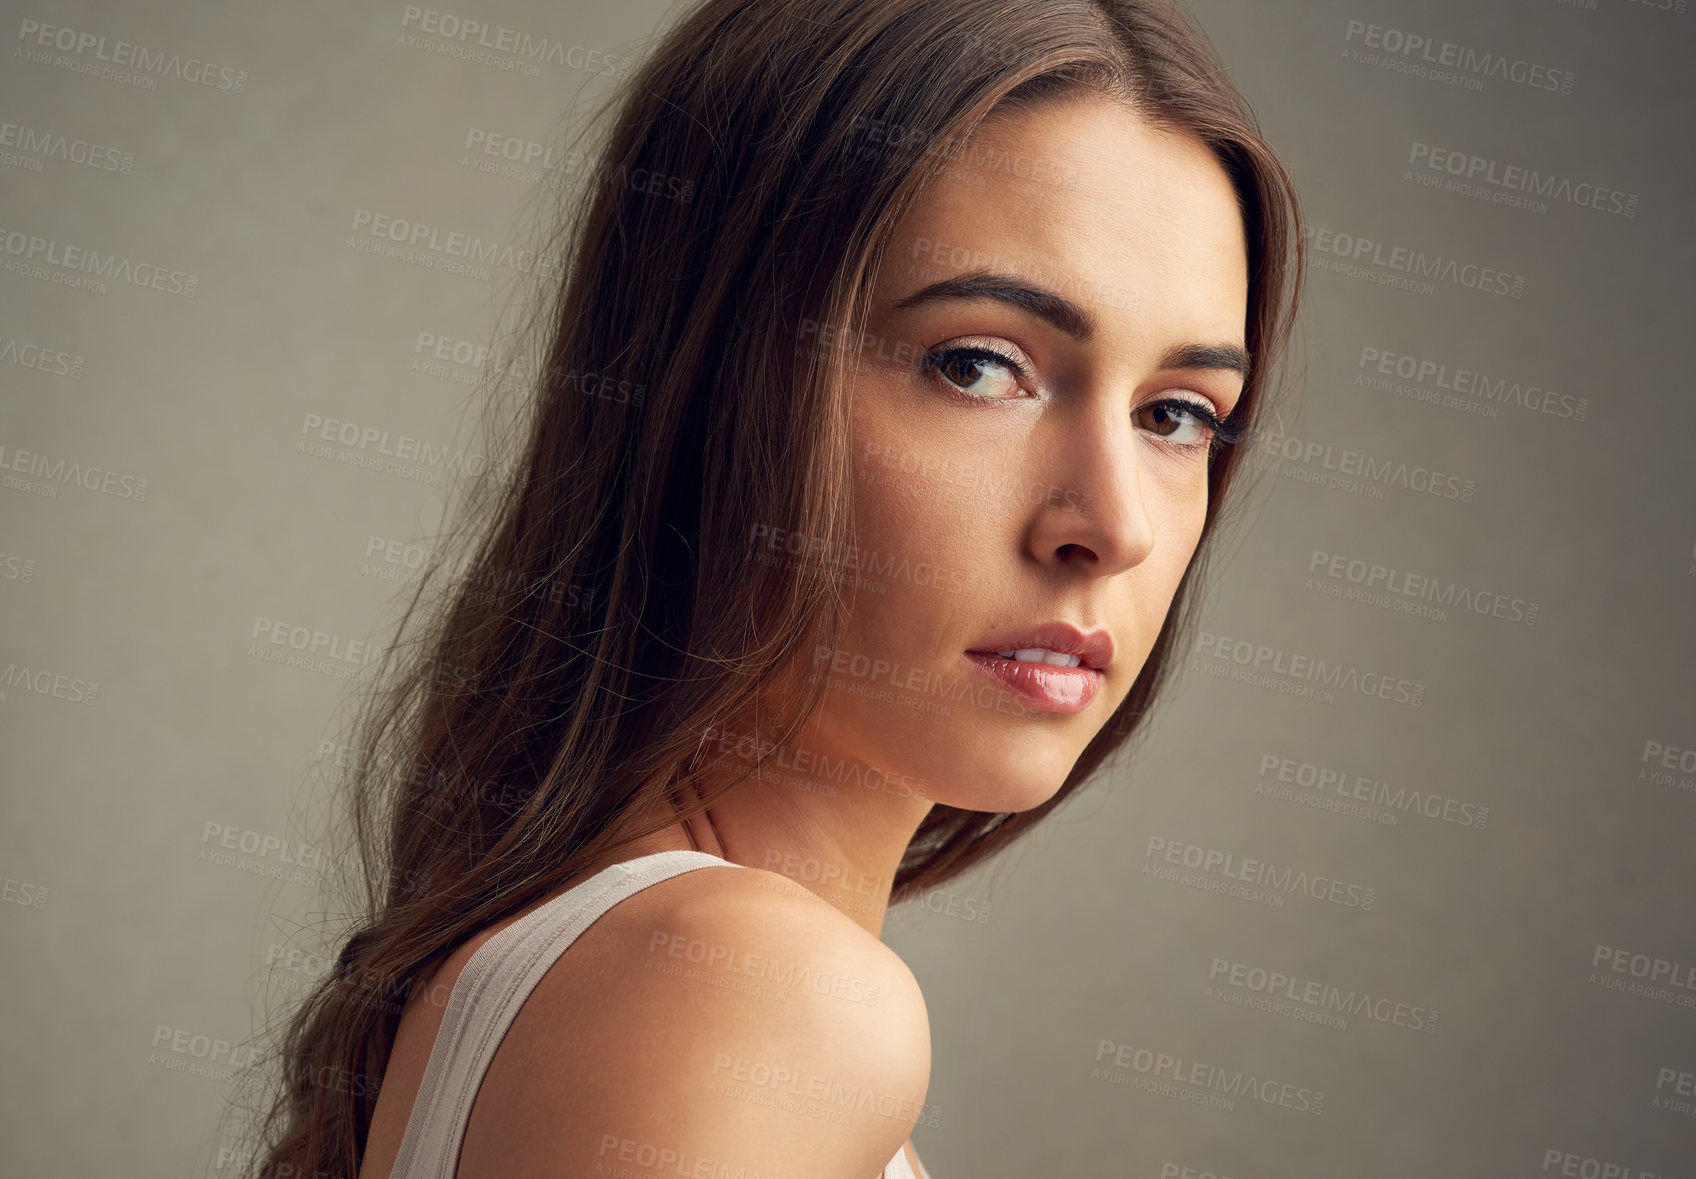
x: 1005, y: 787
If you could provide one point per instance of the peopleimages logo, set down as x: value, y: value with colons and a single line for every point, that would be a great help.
x: 46, y: 683
x: 1212, y: 1080
x: 1501, y: 182
x: 86, y: 268
x: 1674, y: 1089
x: 1322, y: 997
x: 159, y: 62
x: 1571, y: 1165
x: 38, y: 144
x: 1358, y: 256
x: 798, y: 759
x: 1427, y: 57
x: 1655, y: 978
x: 1405, y: 588
x: 46, y: 473
x: 1382, y: 800
x: 1668, y: 765
x: 787, y: 548
x: 513, y: 50
x: 1256, y: 873
x: 1260, y: 658
x: 49, y: 361
x: 1376, y: 364
x: 417, y: 457
x: 373, y: 232
x: 1355, y: 470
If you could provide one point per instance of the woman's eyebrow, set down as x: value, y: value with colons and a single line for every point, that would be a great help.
x: 1069, y: 317
x: 1233, y: 357
x: 1041, y: 302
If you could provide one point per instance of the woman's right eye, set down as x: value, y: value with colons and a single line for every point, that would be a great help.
x: 995, y: 375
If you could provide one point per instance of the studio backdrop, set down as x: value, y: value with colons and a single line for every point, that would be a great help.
x: 1402, y: 881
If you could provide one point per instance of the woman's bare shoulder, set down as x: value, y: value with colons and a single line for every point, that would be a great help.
x: 723, y: 1016
x: 753, y: 924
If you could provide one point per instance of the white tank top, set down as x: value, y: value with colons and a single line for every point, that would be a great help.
x: 491, y: 988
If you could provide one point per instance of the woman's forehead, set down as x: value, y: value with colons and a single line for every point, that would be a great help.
x: 1086, y: 196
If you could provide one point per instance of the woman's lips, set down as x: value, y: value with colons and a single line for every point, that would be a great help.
x: 1041, y: 685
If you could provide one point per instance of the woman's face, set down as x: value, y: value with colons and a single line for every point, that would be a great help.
x: 1048, y: 469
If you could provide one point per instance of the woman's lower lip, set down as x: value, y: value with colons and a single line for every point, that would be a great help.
x: 1042, y: 685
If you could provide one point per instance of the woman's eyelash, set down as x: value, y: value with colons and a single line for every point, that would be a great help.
x: 941, y: 357
x: 1220, y: 431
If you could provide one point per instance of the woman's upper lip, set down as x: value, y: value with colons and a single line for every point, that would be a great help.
x: 1094, y: 648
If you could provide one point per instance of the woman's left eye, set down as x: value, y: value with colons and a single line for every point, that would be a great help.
x: 978, y: 374
x: 1183, y: 423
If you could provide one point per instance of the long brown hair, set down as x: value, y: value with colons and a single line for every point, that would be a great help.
x: 607, y: 614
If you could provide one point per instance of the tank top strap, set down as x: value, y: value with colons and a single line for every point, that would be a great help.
x: 898, y: 1168
x: 488, y: 993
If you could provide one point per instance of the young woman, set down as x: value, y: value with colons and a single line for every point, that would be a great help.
x: 852, y: 532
